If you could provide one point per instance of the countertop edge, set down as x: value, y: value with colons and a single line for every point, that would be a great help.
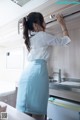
x: 65, y: 95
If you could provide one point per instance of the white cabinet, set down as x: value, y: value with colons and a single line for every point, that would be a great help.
x: 65, y: 112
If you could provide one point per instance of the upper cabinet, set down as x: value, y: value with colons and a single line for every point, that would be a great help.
x: 16, y: 11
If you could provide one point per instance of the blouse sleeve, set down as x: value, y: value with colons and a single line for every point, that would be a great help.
x: 54, y: 40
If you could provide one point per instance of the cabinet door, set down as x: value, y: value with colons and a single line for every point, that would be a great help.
x: 12, y: 100
x: 4, y: 99
x: 59, y: 113
x: 9, y: 99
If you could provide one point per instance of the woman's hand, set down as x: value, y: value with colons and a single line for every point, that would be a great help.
x: 60, y: 19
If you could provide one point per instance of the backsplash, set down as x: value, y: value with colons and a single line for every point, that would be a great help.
x: 67, y: 58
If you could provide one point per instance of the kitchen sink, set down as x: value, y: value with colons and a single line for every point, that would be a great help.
x: 69, y: 86
x: 70, y: 83
x: 59, y: 86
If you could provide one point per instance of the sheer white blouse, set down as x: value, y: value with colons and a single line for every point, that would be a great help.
x: 40, y: 45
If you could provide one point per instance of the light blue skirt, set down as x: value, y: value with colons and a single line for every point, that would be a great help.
x: 33, y: 88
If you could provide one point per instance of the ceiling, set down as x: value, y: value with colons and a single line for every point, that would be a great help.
x: 10, y: 11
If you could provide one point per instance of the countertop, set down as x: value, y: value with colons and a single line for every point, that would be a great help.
x: 67, y: 90
x: 66, y: 95
x: 7, y: 87
x: 13, y: 114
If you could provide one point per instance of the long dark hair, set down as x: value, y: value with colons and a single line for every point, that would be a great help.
x: 33, y: 17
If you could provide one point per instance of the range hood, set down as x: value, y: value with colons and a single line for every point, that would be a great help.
x: 69, y: 14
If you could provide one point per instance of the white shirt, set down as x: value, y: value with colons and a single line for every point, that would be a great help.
x: 40, y: 45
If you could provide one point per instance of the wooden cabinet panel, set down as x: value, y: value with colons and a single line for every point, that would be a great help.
x: 9, y: 99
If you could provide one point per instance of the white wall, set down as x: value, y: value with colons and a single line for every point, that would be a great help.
x: 6, y: 72
x: 2, y: 62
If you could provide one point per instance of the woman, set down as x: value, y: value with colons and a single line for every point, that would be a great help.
x: 33, y: 88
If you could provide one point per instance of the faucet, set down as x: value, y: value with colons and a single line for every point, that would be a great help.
x: 59, y: 75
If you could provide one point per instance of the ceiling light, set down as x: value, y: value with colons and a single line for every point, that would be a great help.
x: 20, y: 2
x: 14, y: 1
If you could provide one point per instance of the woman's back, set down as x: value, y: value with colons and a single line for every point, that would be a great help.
x: 40, y: 43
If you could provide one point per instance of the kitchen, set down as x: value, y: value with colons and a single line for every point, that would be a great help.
x: 13, y: 55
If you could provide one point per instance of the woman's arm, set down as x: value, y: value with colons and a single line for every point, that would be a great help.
x: 59, y: 41
x: 61, y: 21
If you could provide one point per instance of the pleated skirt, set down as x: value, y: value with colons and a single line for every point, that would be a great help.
x: 33, y: 89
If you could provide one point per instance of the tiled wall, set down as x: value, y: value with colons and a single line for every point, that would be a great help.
x: 67, y: 58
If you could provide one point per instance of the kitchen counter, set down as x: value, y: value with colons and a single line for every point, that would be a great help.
x: 65, y: 95
x: 6, y: 88
x: 13, y: 114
